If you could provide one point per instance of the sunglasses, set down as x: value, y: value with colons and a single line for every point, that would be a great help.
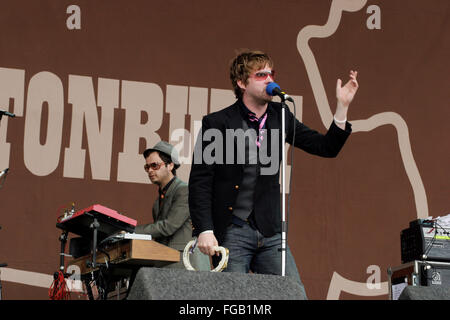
x: 263, y: 75
x: 154, y: 166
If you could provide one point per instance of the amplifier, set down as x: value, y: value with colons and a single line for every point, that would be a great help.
x: 425, y: 240
x: 417, y: 273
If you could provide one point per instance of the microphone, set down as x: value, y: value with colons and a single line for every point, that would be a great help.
x: 2, y: 173
x: 274, y: 89
x: 6, y: 113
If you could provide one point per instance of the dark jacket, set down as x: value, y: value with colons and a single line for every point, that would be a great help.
x: 213, y: 188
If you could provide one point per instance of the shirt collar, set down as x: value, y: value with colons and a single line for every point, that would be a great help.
x: 164, y: 190
x: 246, y: 113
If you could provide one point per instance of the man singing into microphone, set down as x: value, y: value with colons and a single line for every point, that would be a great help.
x: 236, y: 205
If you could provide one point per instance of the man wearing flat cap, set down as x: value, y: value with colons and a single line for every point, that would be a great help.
x: 172, y: 222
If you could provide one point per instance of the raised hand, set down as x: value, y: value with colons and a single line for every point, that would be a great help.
x: 346, y: 93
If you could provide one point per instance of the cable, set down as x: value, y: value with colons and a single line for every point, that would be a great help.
x: 430, y: 245
x: 58, y: 289
x: 444, y: 231
x: 291, y: 173
x: 105, y: 253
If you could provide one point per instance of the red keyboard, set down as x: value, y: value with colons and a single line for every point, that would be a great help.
x: 110, y: 222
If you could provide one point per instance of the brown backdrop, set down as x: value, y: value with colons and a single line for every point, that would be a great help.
x: 347, y: 213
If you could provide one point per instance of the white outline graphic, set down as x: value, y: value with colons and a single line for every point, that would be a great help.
x: 29, y: 278
x: 339, y: 283
x: 371, y: 123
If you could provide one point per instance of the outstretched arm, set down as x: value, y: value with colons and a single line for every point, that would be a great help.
x: 344, y: 97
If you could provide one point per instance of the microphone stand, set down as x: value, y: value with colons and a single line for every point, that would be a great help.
x: 283, y: 188
x: 273, y: 89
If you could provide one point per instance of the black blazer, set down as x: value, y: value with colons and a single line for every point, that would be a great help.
x: 213, y: 188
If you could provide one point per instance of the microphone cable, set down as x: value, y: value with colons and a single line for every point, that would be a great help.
x: 291, y: 172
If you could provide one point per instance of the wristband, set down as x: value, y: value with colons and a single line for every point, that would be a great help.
x: 339, y: 121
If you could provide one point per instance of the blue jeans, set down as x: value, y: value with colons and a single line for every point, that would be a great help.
x: 250, y: 250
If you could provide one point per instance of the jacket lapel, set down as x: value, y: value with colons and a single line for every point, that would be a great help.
x: 272, y: 117
x: 234, y: 117
x: 156, y: 209
x: 234, y: 122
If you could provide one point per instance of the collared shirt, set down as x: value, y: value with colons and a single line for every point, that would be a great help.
x: 258, y: 124
x: 250, y: 116
x: 162, y: 193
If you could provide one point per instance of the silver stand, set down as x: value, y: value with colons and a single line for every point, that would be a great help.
x: 283, y: 189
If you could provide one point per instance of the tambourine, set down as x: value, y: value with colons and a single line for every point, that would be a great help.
x: 222, y: 264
